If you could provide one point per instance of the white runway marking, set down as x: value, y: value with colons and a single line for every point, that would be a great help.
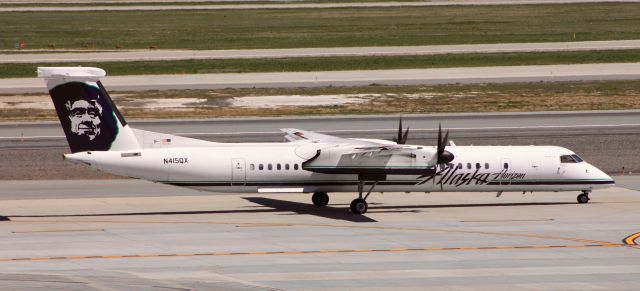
x: 367, y: 130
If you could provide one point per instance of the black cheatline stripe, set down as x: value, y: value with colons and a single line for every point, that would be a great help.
x: 372, y: 170
x: 288, y: 184
x: 550, y: 183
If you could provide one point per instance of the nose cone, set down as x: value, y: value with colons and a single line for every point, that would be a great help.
x: 600, y: 177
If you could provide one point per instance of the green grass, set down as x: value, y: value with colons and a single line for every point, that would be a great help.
x: 337, y: 63
x: 322, y: 27
x: 194, y: 3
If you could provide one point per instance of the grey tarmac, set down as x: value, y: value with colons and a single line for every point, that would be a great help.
x: 92, y: 235
x: 495, y: 74
x: 607, y: 139
x: 172, y: 55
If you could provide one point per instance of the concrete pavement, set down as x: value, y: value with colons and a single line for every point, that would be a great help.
x: 172, y: 55
x: 204, y: 241
x: 495, y: 74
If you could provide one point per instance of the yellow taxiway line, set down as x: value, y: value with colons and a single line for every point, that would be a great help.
x: 257, y: 253
x: 631, y: 240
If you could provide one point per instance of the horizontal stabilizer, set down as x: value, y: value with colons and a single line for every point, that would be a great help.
x: 83, y: 73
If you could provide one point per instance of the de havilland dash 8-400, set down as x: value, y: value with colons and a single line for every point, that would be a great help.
x: 309, y: 162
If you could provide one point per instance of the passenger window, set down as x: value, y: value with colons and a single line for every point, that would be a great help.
x: 252, y: 167
x: 295, y: 166
x: 459, y: 165
x: 286, y: 167
x: 278, y: 167
x: 261, y: 167
x: 477, y: 165
x: 486, y: 166
x: 270, y: 167
x: 469, y: 166
x: 506, y: 165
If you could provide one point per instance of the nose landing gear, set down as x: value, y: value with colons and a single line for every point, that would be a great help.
x: 584, y: 197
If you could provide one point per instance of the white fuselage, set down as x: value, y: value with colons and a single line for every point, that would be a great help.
x: 277, y: 167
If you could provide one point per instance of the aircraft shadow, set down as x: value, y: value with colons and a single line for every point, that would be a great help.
x: 471, y: 205
x: 270, y: 206
x: 283, y: 206
x: 305, y: 208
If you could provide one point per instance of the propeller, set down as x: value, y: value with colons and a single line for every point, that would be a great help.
x: 402, y: 137
x: 443, y: 157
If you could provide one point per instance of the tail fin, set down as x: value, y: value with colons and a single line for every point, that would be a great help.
x: 88, y: 116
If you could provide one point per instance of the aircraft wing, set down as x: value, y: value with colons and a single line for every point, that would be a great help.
x: 355, y: 146
x: 362, y: 157
x: 294, y: 134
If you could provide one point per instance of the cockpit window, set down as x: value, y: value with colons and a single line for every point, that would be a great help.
x: 570, y: 159
x: 577, y: 158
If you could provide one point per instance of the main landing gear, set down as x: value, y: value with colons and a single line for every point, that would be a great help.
x: 584, y: 197
x: 320, y: 199
x: 359, y: 205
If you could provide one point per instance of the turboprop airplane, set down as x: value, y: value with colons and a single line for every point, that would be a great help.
x: 309, y: 162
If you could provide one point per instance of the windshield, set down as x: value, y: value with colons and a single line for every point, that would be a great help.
x: 571, y: 159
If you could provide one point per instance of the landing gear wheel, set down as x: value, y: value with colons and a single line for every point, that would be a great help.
x: 320, y: 199
x: 359, y: 206
x: 583, y: 198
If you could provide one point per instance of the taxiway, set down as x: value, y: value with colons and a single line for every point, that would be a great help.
x: 495, y: 74
x: 90, y: 236
x: 172, y: 55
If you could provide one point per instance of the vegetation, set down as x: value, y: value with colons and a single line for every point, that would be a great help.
x: 288, y: 28
x: 338, y: 63
x: 383, y: 100
x: 187, y: 3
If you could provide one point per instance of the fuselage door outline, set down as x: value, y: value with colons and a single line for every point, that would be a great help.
x: 238, y: 173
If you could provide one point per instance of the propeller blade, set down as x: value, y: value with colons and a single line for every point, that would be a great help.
x: 445, y: 140
x: 399, y: 138
x: 439, y: 140
x: 405, y: 136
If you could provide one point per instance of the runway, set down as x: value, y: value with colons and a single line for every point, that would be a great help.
x: 495, y: 74
x: 293, y: 5
x: 606, y: 139
x: 172, y: 55
x: 87, y: 235
x: 246, y: 127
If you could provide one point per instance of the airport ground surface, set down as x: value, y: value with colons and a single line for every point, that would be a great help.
x: 129, y: 234
x: 167, y: 55
x: 607, y: 139
x: 475, y: 75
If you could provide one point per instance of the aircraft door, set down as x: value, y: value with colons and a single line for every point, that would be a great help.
x: 561, y: 169
x: 238, y: 173
x: 506, y: 169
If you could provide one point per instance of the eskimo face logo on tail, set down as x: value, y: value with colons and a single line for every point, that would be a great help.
x: 86, y: 116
